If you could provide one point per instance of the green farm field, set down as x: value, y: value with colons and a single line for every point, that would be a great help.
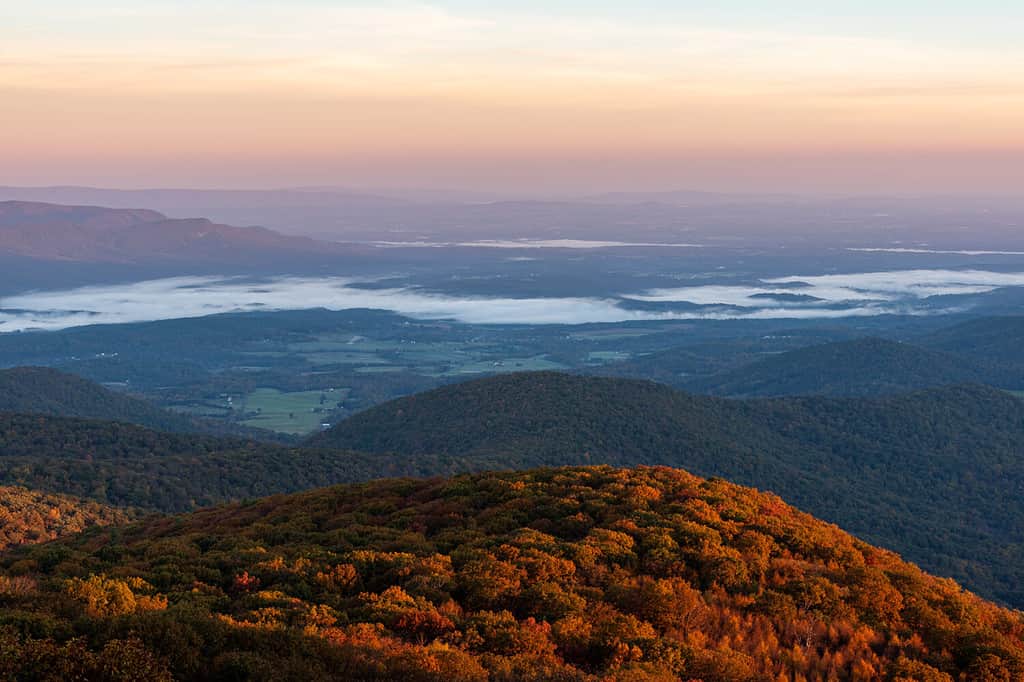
x: 296, y: 412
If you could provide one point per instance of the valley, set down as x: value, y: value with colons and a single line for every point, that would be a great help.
x: 888, y: 404
x: 291, y: 371
x: 442, y: 341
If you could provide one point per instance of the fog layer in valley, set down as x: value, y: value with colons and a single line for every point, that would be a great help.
x: 796, y: 297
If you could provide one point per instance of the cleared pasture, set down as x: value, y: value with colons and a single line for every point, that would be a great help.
x: 291, y: 412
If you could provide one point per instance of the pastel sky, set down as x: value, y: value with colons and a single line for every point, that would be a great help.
x: 567, y: 95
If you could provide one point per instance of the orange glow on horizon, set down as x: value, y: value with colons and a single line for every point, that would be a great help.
x: 455, y: 94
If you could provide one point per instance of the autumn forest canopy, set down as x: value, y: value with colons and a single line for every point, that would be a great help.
x: 511, y: 341
x: 579, y: 573
x: 569, y: 574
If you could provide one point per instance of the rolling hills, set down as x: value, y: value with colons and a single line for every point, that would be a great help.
x: 863, y: 367
x: 677, y: 366
x: 648, y: 574
x: 130, y: 466
x: 996, y: 340
x: 43, y: 390
x: 932, y: 473
x: 981, y: 350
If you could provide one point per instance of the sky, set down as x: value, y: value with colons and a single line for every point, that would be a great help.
x: 570, y: 96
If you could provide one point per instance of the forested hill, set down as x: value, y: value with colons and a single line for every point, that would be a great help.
x: 864, y: 367
x: 539, y: 415
x: 677, y: 365
x: 49, y: 391
x: 558, y: 574
x: 987, y: 339
x: 130, y: 466
x: 888, y: 469
x: 42, y: 390
x: 891, y: 470
x: 28, y: 516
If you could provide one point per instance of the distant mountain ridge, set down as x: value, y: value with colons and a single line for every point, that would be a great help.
x: 997, y: 340
x: 862, y: 367
x: 93, y: 234
x: 983, y: 351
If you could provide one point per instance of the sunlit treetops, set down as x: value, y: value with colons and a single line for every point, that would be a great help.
x: 27, y: 516
x: 566, y: 574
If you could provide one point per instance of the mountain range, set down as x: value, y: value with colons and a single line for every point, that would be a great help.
x: 862, y: 367
x: 92, y: 234
x: 357, y: 215
x: 993, y: 339
x: 983, y: 350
